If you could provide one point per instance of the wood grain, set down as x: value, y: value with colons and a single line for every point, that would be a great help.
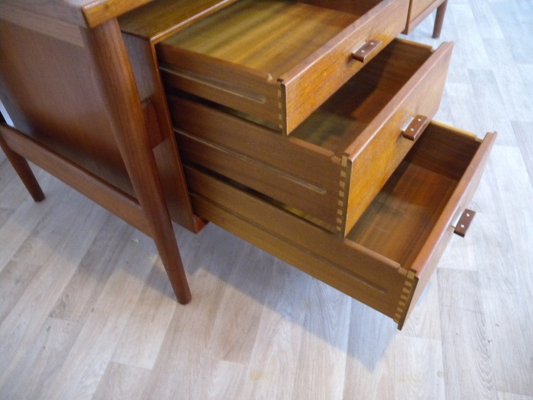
x: 147, y: 324
x: 374, y: 156
x: 521, y: 130
x: 221, y: 36
x: 43, y: 24
x: 159, y: 127
x: 52, y: 344
x: 483, y: 351
x: 276, y: 71
x: 305, y: 89
x: 439, y: 19
x: 122, y: 382
x: 55, y: 98
x: 405, y: 223
x: 419, y: 10
x: 159, y: 19
x: 93, y: 271
x: 311, y: 162
x: 100, y: 11
x: 118, y: 203
x: 84, y: 13
x: 18, y: 324
x: 361, y: 123
x: 10, y: 236
x: 117, y: 80
x: 22, y: 167
x: 107, y: 319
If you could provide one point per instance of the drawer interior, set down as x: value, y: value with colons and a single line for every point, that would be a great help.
x: 400, y: 219
x: 337, y: 124
x: 341, y: 120
x: 268, y: 36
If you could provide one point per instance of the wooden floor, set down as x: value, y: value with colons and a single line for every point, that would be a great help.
x: 86, y: 311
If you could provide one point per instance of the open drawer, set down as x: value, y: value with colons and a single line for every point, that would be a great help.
x: 333, y: 165
x: 279, y: 60
x: 388, y: 257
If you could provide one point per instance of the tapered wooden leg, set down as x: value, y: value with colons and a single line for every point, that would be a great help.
x: 24, y: 171
x: 439, y: 19
x: 134, y: 145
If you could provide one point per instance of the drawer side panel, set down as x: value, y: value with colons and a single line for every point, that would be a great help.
x: 296, y: 256
x: 293, y: 156
x: 370, y: 267
x: 232, y: 85
x: 283, y: 187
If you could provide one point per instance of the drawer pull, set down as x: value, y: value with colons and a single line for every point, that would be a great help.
x: 415, y: 128
x: 464, y: 222
x: 366, y: 50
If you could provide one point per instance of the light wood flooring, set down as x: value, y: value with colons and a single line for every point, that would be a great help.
x: 86, y: 311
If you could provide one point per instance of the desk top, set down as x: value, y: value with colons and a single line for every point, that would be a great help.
x: 87, y: 13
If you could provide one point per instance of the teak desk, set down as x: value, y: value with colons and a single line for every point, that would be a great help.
x: 102, y: 94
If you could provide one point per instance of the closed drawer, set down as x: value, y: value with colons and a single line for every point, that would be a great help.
x: 279, y: 60
x: 334, y: 164
x: 389, y: 255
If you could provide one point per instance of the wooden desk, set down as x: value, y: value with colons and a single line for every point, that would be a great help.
x: 89, y: 106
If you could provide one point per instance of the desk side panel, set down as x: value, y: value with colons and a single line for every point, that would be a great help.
x: 50, y: 88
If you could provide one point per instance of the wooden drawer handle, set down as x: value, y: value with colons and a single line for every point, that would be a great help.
x: 365, y: 51
x: 415, y: 128
x: 464, y: 222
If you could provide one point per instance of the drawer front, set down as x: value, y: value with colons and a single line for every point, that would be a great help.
x: 305, y: 90
x: 390, y: 254
x: 314, y: 60
x: 427, y: 258
x: 370, y: 165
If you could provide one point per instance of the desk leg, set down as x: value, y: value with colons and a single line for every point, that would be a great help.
x: 23, y: 170
x: 439, y: 19
x: 134, y: 145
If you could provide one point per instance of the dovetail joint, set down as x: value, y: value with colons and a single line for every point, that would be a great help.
x: 406, y: 295
x: 341, y: 203
x: 280, y: 108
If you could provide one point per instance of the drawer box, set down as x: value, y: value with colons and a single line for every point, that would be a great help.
x: 333, y: 165
x: 388, y: 257
x: 279, y: 60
